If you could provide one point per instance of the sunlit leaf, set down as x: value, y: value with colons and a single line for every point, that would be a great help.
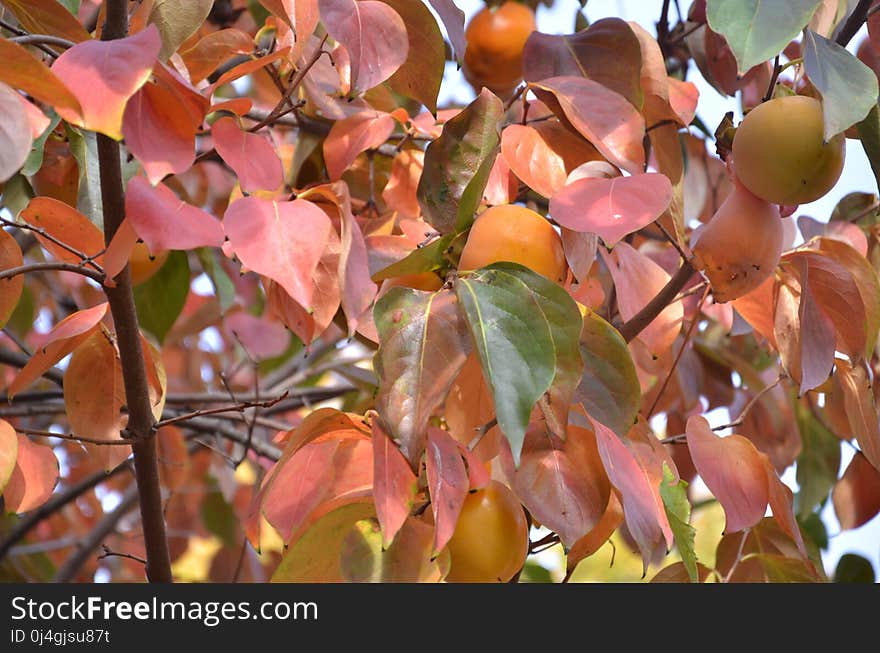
x: 15, y: 133
x: 861, y: 411
x: 177, y: 20
x: 24, y: 71
x: 8, y: 452
x: 33, y: 479
x: 47, y: 17
x: 67, y: 225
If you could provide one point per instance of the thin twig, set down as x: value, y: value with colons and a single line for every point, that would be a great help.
x: 108, y: 552
x: 44, y: 39
x: 71, y: 437
x: 754, y: 400
x: 742, y: 544
x: 84, y: 258
x: 50, y: 266
x: 482, y: 431
x: 237, y: 408
x: 673, y: 242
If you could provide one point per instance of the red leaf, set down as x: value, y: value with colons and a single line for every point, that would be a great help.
x: 856, y: 496
x: 103, y: 75
x: 281, y: 240
x: 66, y: 224
x: 163, y: 221
x: 15, y: 133
x: 252, y: 157
x: 645, y: 519
x: 373, y: 34
x: 33, y: 479
x: 37, y: 120
x: 160, y: 124
x: 453, y: 19
x: 64, y: 337
x: 8, y: 452
x: 447, y: 482
x: 600, y: 115
x: 816, y: 337
x: 394, y: 484
x: 351, y: 136
x: 733, y: 470
x: 478, y: 474
x: 782, y: 505
x: 637, y: 280
x: 10, y: 257
x: 612, y: 208
x: 861, y: 411
x: 213, y: 49
x: 24, y: 71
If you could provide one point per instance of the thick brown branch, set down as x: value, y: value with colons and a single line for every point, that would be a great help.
x: 637, y: 323
x: 854, y: 23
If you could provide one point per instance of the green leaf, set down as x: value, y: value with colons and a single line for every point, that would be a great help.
x: 869, y: 135
x: 423, y: 344
x: 757, y: 30
x: 315, y: 556
x: 515, y: 317
x: 17, y: 194
x: 72, y: 5
x: 852, y: 568
x: 848, y: 87
x: 432, y: 256
x: 818, y: 462
x: 34, y: 160
x: 224, y: 289
x: 609, y: 388
x: 177, y: 20
x: 219, y: 518
x: 160, y: 299
x: 678, y: 512
x: 457, y: 165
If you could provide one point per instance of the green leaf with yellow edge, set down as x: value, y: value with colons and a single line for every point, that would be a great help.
x: 678, y: 512
x: 160, y: 299
x: 315, y: 557
x: 518, y: 321
x: 458, y: 163
x: 407, y: 560
x: 609, y: 389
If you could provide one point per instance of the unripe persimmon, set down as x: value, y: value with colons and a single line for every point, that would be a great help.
x: 491, y: 538
x: 740, y: 246
x: 508, y: 232
x: 779, y: 151
x: 495, y: 41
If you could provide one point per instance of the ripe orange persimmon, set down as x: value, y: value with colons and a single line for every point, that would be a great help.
x: 779, y: 151
x: 491, y: 538
x: 514, y: 233
x: 495, y: 40
x: 143, y: 265
x: 428, y: 281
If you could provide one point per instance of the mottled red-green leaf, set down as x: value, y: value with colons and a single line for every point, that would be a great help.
x: 423, y: 344
x: 458, y: 163
x: 612, y: 208
x: 164, y: 221
x: 856, y: 496
x: 373, y: 34
x: 281, y: 240
x: 409, y: 559
x: 447, y: 483
x: 734, y: 472
x: 394, y: 484
x: 33, y: 478
x: 607, y: 52
x: 64, y: 337
x: 251, y: 156
x: 602, y: 116
x: 10, y: 289
x: 103, y: 75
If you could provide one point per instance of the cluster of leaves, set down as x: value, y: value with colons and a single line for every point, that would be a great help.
x: 287, y: 165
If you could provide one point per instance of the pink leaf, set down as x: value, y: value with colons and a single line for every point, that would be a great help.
x: 351, y: 136
x: 15, y: 133
x: 447, y: 482
x: 394, y: 484
x: 683, y: 98
x: 600, y: 115
x: 103, y: 75
x: 533, y: 160
x: 163, y: 221
x: 637, y: 280
x: 478, y: 475
x: 37, y: 120
x: 373, y: 34
x: 261, y: 337
x: 34, y: 477
x: 251, y: 156
x: 646, y: 521
x: 612, y: 208
x: 453, y: 19
x: 281, y: 240
x: 62, y: 339
x: 733, y: 470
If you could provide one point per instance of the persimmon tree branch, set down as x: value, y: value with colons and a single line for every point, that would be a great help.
x: 42, y: 39
x: 854, y: 23
x: 61, y: 266
x: 134, y: 372
x: 637, y: 323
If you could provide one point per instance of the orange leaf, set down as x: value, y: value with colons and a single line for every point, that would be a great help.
x: 399, y: 193
x: 246, y: 68
x: 10, y: 289
x: 24, y: 71
x: 351, y: 136
x: 48, y: 17
x: 173, y: 457
x: 861, y: 411
x: 103, y: 75
x: 394, y: 484
x: 252, y: 157
x: 64, y: 337
x: 8, y: 452
x: 34, y: 477
x: 301, y: 15
x: 66, y: 224
x: 213, y: 49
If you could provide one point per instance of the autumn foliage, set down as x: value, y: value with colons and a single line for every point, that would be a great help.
x: 274, y: 309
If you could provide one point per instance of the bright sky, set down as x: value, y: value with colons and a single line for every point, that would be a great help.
x: 857, y: 176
